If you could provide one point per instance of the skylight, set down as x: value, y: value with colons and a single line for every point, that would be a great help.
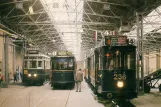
x: 64, y: 14
x: 150, y: 22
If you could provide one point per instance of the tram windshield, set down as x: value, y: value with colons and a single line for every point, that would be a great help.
x: 32, y: 64
x: 63, y: 63
x: 120, y: 59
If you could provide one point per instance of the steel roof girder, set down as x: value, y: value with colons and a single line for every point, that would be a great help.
x: 65, y: 23
x: 110, y: 3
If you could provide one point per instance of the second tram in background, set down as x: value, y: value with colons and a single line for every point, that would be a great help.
x: 63, y: 66
x: 111, y: 68
x: 36, y: 67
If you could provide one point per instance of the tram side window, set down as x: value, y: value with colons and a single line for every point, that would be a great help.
x: 91, y: 63
x: 33, y: 64
x: 47, y: 65
x: 100, y: 62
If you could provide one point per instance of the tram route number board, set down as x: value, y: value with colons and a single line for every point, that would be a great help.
x: 25, y: 71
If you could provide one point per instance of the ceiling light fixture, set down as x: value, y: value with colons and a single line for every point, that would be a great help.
x: 19, y: 5
x: 106, y: 7
x: 31, y: 10
x: 54, y: 40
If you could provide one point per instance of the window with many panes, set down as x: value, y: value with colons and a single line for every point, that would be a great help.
x: 118, y: 58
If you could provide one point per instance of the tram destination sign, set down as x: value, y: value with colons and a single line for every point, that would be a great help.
x: 32, y: 51
x: 64, y: 53
x: 116, y: 41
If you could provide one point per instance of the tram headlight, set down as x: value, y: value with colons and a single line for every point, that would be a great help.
x: 120, y: 84
x: 35, y: 75
x: 29, y: 75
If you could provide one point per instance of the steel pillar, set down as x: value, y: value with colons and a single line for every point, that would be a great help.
x: 6, y: 45
x: 24, y: 54
x: 14, y: 58
x: 147, y: 64
x: 140, y: 55
x: 158, y: 59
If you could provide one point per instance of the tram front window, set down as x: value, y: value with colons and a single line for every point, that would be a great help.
x: 119, y: 59
x: 63, y: 64
x: 33, y: 64
x: 39, y: 63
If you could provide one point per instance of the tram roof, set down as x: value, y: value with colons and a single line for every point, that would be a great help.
x: 33, y: 20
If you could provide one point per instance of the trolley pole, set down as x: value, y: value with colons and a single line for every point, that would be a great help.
x: 140, y: 55
x: 6, y: 59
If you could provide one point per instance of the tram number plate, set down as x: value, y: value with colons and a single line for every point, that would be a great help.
x: 25, y: 71
x: 119, y: 76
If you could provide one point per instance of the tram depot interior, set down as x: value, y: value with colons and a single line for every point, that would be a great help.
x: 115, y: 43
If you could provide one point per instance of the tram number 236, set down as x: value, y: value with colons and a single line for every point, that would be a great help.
x: 119, y: 76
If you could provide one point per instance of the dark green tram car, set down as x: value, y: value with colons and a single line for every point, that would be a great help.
x: 63, y: 69
x: 36, y: 68
x: 111, y: 68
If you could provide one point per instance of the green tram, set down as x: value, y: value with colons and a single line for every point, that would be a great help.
x: 63, y: 68
x: 111, y: 68
x: 36, y: 68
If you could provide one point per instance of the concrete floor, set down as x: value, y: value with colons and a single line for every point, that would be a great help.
x: 152, y: 99
x: 44, y: 96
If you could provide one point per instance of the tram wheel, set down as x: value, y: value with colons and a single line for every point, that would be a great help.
x: 146, y: 88
x: 160, y: 87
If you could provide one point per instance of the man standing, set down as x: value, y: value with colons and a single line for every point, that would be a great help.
x: 79, y: 79
x: 17, y: 75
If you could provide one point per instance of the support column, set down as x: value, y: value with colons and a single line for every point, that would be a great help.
x: 24, y: 54
x: 140, y: 55
x: 147, y: 65
x: 14, y: 58
x: 158, y: 60
x: 6, y: 45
